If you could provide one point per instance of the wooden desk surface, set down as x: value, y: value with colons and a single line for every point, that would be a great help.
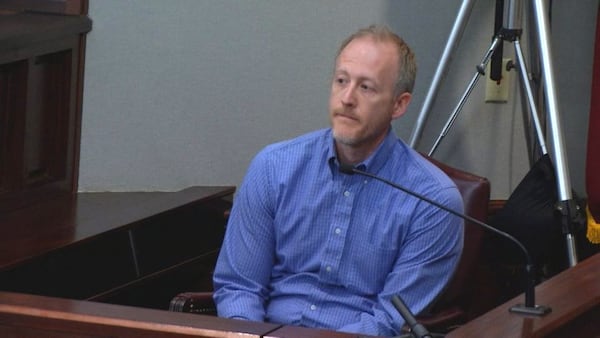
x: 27, y: 316
x: 572, y: 294
x: 24, y: 315
x: 56, y: 223
x: 304, y: 332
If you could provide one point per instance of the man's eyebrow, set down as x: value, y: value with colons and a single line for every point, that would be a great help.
x: 359, y: 77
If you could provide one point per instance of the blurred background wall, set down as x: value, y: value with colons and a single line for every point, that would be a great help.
x: 185, y: 92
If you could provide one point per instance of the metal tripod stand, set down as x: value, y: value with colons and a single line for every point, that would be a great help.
x: 511, y: 32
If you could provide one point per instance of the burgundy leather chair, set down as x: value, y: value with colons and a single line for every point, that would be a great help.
x: 458, y: 303
x: 455, y: 305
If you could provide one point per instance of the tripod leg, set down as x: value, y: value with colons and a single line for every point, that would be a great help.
x: 524, y: 76
x: 453, y: 39
x: 480, y: 71
x: 567, y: 206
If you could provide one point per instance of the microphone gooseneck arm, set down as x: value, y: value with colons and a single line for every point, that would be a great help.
x: 529, y: 307
x: 417, y: 330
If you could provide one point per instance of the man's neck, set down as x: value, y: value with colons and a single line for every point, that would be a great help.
x: 357, y: 153
x: 352, y: 154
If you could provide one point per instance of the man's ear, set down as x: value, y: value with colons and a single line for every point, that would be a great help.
x: 401, y: 104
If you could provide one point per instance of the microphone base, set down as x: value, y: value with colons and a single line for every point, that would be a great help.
x: 537, y: 310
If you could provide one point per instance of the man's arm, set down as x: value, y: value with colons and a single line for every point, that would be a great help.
x: 425, y: 265
x: 244, y: 266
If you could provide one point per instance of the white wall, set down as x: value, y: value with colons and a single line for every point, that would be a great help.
x: 185, y: 92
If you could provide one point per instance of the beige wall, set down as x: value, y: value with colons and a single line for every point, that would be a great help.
x: 185, y: 92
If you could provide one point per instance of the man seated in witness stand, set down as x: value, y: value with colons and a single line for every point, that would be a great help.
x: 307, y: 245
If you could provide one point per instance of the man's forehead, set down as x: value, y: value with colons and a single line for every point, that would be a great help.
x: 366, y: 45
x: 368, y: 51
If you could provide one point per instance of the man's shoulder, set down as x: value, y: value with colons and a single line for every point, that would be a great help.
x: 424, y: 171
x: 312, y: 147
x: 309, y: 140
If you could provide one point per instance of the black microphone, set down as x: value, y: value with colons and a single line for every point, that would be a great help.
x: 529, y: 307
x: 417, y: 330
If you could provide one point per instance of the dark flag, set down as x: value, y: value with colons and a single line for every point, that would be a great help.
x: 593, y: 149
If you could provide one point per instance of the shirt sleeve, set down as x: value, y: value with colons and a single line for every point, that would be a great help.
x: 423, y: 267
x: 246, y: 258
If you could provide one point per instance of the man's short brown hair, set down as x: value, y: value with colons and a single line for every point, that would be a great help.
x: 406, y: 59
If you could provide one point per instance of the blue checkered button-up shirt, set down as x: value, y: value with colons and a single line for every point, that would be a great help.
x: 307, y: 245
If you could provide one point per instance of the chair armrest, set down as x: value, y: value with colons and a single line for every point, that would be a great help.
x: 443, y: 321
x: 194, y: 302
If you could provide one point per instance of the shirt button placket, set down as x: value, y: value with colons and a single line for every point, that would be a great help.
x: 339, y: 235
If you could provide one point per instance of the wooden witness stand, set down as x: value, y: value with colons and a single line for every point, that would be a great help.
x: 574, y: 296
x: 27, y: 316
x: 37, y: 316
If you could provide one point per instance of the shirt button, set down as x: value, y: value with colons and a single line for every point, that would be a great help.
x: 328, y: 268
x: 346, y: 193
x: 313, y: 307
x: 338, y: 231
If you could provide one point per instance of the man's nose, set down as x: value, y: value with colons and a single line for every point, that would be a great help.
x: 348, y: 96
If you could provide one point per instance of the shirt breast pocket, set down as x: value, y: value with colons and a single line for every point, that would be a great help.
x: 368, y: 267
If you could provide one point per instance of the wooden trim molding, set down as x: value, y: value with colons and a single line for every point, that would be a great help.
x: 70, y: 7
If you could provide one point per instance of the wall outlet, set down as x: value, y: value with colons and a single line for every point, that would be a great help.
x: 497, y: 92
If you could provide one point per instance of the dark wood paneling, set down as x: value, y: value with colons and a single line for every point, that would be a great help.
x: 41, y: 74
x: 49, y: 127
x: 77, y: 271
x: 115, y: 247
x: 163, y: 285
x: 13, y: 90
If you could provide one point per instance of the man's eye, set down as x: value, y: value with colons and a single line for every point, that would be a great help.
x: 366, y: 87
x: 340, y: 80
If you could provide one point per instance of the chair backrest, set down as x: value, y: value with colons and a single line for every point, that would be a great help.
x: 475, y: 191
